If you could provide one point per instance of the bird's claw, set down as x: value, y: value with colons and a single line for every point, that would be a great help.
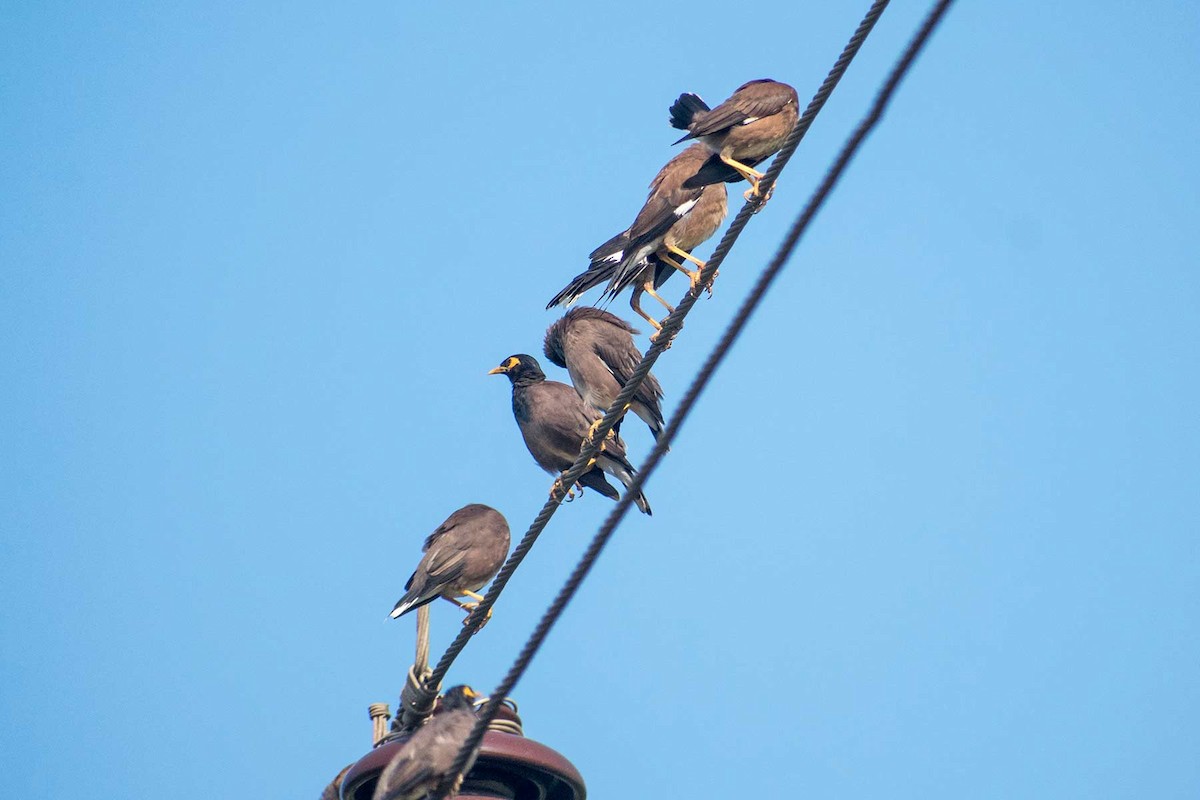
x: 753, y: 195
x: 656, y: 335
x: 470, y: 608
x: 557, y: 490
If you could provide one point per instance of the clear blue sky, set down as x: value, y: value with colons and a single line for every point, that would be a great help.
x: 932, y: 532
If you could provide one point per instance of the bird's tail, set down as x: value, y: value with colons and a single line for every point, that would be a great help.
x: 405, y: 604
x: 643, y: 504
x: 623, y: 276
x: 623, y: 471
x: 684, y: 110
x: 595, y: 275
x: 594, y: 479
x: 605, y: 260
x: 652, y: 417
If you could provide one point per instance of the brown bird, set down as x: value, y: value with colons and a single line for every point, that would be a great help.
x: 744, y: 130
x: 426, y: 758
x: 461, y: 556
x: 554, y: 422
x: 674, y: 221
x: 597, y: 349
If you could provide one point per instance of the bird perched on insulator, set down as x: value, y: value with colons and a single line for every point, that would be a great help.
x: 743, y: 131
x: 554, y: 422
x: 597, y: 349
x: 460, y: 557
x: 673, y: 222
x: 425, y: 760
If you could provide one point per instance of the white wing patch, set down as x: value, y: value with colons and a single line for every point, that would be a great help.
x: 684, y: 208
x: 748, y: 120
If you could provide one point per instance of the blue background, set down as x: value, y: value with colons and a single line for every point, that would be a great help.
x: 932, y: 532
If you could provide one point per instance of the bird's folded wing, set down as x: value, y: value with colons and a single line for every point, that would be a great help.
x: 558, y: 421
x: 407, y: 778
x: 447, y: 564
x: 739, y: 110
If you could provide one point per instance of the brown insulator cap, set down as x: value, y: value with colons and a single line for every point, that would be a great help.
x: 509, y: 766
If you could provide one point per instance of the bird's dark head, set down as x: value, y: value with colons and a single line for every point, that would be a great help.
x: 521, y: 369
x: 460, y: 697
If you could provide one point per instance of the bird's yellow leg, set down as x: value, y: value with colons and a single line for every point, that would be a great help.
x: 685, y: 254
x: 670, y: 262
x: 749, y: 173
x: 649, y: 289
x: 694, y: 277
x: 636, y: 304
x: 473, y: 595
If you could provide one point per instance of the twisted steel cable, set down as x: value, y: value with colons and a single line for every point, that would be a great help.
x: 747, y: 309
x: 671, y: 326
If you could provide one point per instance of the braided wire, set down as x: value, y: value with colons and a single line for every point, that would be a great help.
x: 718, y: 354
x: 670, y: 327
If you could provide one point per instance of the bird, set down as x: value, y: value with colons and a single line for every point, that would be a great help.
x: 425, y: 760
x: 673, y: 222
x: 743, y: 131
x: 597, y: 349
x: 554, y: 422
x: 461, y: 556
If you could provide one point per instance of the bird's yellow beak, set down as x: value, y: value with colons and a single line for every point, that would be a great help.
x: 508, y: 364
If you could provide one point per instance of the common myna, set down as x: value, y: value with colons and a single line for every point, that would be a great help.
x: 461, y: 556
x: 554, y: 421
x: 673, y: 222
x: 597, y: 349
x: 744, y: 130
x: 426, y: 758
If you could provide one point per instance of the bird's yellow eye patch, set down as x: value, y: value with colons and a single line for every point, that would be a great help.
x: 509, y: 363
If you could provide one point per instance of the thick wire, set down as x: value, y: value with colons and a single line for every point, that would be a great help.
x: 747, y: 309
x: 670, y: 327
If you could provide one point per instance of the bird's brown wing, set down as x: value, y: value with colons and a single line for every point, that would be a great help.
x: 744, y: 106
x: 446, y: 548
x: 663, y: 209
x: 616, y: 349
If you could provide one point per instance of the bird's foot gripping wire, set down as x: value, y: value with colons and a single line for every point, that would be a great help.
x: 658, y: 335
x: 560, y: 492
x: 470, y: 609
x: 753, y: 195
x: 592, y: 433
